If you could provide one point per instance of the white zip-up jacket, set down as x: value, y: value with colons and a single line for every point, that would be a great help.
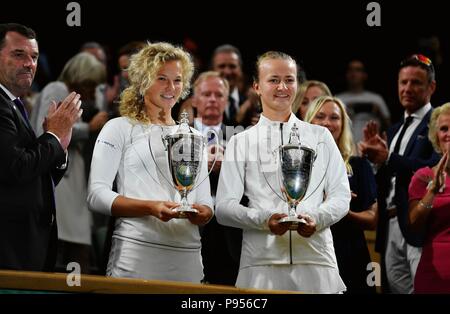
x: 250, y: 167
x: 122, y: 151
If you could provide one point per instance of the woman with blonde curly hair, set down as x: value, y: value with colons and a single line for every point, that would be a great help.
x: 348, y: 234
x: 429, y: 204
x: 147, y: 242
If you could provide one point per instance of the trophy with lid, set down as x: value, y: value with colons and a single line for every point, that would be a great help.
x: 295, y: 167
x: 185, y: 157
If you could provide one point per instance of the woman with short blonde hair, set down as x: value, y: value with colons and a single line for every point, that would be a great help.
x: 429, y: 205
x: 307, y: 92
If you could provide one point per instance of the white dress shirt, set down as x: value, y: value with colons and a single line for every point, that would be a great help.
x: 204, y: 129
x: 418, y: 117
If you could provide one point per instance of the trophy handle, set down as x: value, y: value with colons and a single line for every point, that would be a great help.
x: 326, y: 170
x: 154, y: 160
x: 275, y: 154
x: 217, y: 145
x: 165, y: 144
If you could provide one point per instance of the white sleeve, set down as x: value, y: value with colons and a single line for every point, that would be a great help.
x: 337, y: 189
x: 104, y: 166
x: 230, y: 190
x: 56, y: 91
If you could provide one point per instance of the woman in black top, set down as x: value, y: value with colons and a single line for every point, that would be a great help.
x: 348, y: 234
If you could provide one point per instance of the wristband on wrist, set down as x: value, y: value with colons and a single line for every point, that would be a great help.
x: 426, y: 206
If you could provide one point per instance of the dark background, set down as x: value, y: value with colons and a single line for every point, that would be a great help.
x: 323, y: 35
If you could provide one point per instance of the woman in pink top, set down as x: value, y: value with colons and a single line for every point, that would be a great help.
x: 429, y: 210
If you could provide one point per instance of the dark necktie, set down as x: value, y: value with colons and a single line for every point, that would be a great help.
x: 231, y: 109
x: 406, y: 124
x: 19, y: 104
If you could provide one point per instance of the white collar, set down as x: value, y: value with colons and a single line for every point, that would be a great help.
x: 420, y: 113
x: 264, y: 121
x: 10, y: 95
x: 204, y: 128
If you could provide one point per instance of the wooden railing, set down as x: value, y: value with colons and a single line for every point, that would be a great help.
x: 57, y: 282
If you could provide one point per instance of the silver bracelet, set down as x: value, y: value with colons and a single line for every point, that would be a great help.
x: 429, y: 206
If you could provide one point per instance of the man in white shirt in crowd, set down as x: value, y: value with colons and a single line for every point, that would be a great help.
x: 221, y: 245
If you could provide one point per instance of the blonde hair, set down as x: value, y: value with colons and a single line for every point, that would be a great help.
x: 83, y: 72
x: 211, y: 74
x: 345, y: 141
x: 142, y: 71
x: 270, y: 55
x: 302, y: 91
x: 432, y: 126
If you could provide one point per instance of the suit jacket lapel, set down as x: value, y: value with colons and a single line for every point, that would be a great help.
x: 223, y: 137
x: 22, y: 118
x: 392, y: 131
x: 18, y: 113
x: 223, y: 128
x: 419, y: 130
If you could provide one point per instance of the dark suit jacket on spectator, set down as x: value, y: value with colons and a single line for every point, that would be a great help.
x: 418, y: 153
x: 28, y: 165
x: 221, y: 245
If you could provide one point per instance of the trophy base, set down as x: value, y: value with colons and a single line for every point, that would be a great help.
x: 183, y: 211
x: 293, y: 222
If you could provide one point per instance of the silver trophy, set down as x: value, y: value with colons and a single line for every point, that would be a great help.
x: 295, y: 166
x: 185, y: 156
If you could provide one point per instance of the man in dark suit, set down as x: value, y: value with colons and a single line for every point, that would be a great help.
x: 407, y: 149
x: 227, y: 60
x: 221, y: 245
x: 29, y: 166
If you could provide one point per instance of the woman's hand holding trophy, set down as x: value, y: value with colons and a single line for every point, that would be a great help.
x: 202, y: 216
x: 163, y: 210
x: 277, y: 227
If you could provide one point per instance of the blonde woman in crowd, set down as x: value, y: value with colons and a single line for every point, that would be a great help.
x: 348, y: 234
x: 307, y: 92
x: 429, y: 204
